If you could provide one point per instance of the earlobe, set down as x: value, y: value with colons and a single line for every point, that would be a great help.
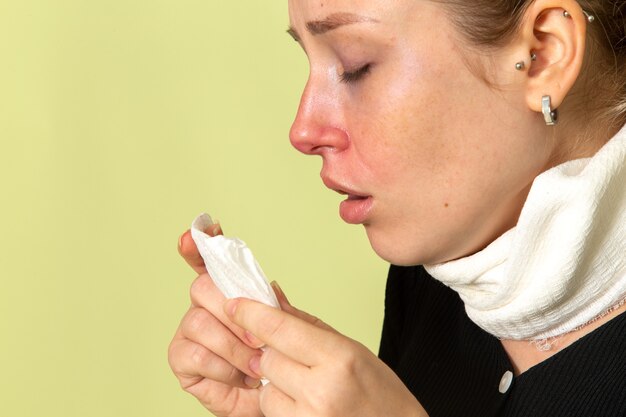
x: 556, y: 31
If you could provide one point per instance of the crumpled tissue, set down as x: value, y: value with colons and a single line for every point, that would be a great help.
x: 231, y: 265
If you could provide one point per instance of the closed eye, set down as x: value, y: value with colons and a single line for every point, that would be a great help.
x: 354, y: 76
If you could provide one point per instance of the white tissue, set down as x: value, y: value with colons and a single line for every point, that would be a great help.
x: 231, y: 265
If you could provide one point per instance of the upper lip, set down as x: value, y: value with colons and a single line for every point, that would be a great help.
x: 340, y: 188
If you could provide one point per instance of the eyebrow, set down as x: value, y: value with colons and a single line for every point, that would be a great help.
x: 331, y: 22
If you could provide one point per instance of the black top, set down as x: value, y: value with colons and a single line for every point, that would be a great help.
x: 454, y: 368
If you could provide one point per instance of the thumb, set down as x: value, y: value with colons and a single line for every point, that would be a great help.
x: 286, y: 306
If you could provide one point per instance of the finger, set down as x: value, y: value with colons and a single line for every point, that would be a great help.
x: 285, y: 305
x: 256, y: 343
x: 275, y: 403
x: 189, y: 251
x: 224, y: 400
x: 203, y: 328
x: 296, y: 338
x: 205, y: 294
x: 287, y: 375
x: 191, y: 362
x: 280, y: 294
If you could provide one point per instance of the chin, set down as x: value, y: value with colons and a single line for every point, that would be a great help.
x: 397, y: 249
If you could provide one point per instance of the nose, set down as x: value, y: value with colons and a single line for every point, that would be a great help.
x: 317, y: 128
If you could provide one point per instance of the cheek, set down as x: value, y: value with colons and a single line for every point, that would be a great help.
x: 398, y: 129
x: 435, y: 160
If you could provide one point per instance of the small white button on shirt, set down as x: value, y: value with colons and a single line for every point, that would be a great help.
x: 505, y: 382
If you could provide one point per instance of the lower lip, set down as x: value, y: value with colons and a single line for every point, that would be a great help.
x: 355, y: 211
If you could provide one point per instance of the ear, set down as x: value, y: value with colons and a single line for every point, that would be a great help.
x: 559, y: 44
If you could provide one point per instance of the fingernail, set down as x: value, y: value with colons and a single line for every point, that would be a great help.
x: 230, y: 306
x: 279, y: 291
x: 254, y: 341
x: 255, y: 364
x: 252, y: 382
x: 211, y: 230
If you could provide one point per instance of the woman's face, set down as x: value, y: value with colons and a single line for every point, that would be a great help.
x: 436, y: 163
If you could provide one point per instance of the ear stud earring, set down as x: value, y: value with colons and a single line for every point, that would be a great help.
x: 590, y: 17
x: 550, y: 116
x: 533, y: 57
x: 521, y: 64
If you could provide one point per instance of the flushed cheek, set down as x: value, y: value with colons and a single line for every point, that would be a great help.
x: 403, y: 136
x: 400, y: 141
x: 404, y: 114
x: 418, y: 137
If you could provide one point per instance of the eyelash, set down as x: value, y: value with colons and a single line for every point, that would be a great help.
x: 354, y: 76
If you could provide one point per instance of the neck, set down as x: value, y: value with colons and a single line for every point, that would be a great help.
x: 578, y: 142
x: 563, y: 264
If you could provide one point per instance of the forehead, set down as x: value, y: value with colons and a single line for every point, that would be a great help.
x: 387, y: 11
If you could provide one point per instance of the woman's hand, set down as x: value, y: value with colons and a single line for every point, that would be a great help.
x: 209, y: 354
x: 314, y: 371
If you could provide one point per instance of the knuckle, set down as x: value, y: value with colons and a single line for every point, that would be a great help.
x: 199, y: 357
x: 218, y: 402
x: 235, y: 349
x: 197, y: 320
x: 189, y: 384
x: 173, y: 358
x: 234, y: 376
x: 349, y: 357
x: 178, y: 358
x: 318, y: 398
x: 200, y: 287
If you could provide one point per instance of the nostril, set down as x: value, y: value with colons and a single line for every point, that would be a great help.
x: 314, y: 138
x: 304, y: 139
x: 319, y: 150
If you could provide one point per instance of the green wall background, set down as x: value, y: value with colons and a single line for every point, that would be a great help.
x: 120, y: 121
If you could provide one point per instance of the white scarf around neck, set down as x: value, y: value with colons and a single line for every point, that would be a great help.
x: 563, y: 264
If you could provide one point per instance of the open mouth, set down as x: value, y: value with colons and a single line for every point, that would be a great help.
x: 340, y: 189
x: 352, y: 197
x: 356, y: 208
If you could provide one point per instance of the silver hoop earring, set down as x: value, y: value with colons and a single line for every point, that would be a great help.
x: 549, y: 115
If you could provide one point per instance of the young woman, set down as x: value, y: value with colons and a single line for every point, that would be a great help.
x: 480, y: 144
